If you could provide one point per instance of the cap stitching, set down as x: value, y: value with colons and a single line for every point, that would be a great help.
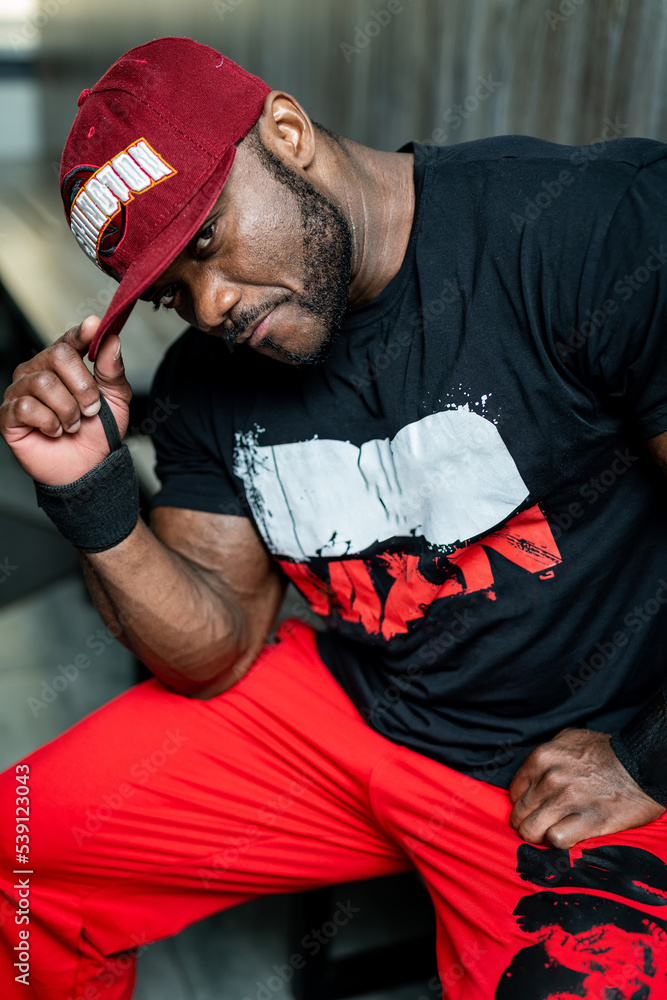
x: 164, y: 114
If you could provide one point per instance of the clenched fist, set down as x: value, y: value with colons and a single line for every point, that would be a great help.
x: 575, y: 787
x: 49, y: 414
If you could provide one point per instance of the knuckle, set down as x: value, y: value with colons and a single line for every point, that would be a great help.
x: 44, y: 381
x: 86, y: 383
x: 72, y: 338
x: 554, y: 781
x: 521, y: 804
x: 23, y: 407
x: 527, y: 831
x: 87, y: 387
x: 62, y: 352
x: 70, y: 413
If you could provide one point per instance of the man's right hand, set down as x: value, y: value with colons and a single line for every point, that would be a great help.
x: 49, y: 414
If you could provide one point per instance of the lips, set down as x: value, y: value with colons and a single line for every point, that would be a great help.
x: 256, y: 331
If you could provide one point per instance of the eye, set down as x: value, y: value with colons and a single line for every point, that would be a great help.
x: 204, y: 239
x: 167, y: 297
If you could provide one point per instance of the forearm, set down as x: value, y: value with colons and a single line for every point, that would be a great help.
x: 105, y: 608
x: 159, y: 605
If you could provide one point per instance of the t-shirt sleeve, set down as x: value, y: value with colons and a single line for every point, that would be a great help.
x: 190, y: 421
x: 620, y: 339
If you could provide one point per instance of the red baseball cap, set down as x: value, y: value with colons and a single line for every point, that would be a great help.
x: 147, y: 157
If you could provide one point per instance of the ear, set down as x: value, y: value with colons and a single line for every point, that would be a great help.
x: 286, y: 130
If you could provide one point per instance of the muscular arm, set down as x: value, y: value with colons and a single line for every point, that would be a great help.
x: 195, y: 598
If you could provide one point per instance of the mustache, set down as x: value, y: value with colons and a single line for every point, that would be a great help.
x: 235, y: 328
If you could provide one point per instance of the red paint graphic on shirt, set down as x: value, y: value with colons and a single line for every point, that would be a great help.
x: 615, y: 962
x: 526, y: 540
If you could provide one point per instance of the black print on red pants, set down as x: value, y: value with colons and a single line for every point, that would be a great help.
x: 589, y: 946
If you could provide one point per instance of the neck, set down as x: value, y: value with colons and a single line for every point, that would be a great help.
x: 376, y: 192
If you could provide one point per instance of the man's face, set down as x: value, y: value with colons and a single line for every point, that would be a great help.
x: 270, y: 267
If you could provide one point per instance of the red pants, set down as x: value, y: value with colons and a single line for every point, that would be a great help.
x: 158, y: 810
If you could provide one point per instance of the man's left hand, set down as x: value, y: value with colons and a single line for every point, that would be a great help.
x: 575, y: 787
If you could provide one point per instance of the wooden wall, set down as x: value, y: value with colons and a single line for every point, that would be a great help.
x: 559, y: 69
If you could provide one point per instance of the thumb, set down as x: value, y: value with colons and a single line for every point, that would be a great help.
x: 109, y: 370
x: 109, y: 373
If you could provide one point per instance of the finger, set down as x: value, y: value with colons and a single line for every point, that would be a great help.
x: 550, y: 808
x: 77, y: 340
x: 520, y: 784
x: 527, y: 775
x: 571, y: 829
x: 67, y: 364
x: 543, y: 790
x: 524, y: 807
x: 48, y: 388
x: 539, y: 762
x: 80, y: 337
x: 27, y: 414
x: 533, y: 828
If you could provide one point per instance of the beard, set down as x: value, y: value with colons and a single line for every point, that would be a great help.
x: 325, y: 258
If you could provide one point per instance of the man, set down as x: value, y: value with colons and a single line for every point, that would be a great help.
x: 451, y: 463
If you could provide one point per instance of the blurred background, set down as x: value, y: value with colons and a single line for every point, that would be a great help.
x: 439, y: 71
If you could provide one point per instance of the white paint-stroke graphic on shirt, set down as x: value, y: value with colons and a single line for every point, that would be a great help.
x: 447, y: 477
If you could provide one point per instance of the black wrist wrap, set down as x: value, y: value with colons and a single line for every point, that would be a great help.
x: 641, y: 747
x: 101, y: 508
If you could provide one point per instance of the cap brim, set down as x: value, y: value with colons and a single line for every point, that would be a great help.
x: 163, y: 250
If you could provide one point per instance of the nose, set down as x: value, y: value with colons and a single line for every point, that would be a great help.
x: 213, y: 297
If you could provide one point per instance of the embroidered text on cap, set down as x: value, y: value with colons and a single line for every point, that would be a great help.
x: 94, y: 196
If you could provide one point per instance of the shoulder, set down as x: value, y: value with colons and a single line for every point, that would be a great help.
x: 632, y: 151
x: 602, y: 169
x: 492, y: 191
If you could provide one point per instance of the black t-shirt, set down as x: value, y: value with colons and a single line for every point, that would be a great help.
x: 461, y: 490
